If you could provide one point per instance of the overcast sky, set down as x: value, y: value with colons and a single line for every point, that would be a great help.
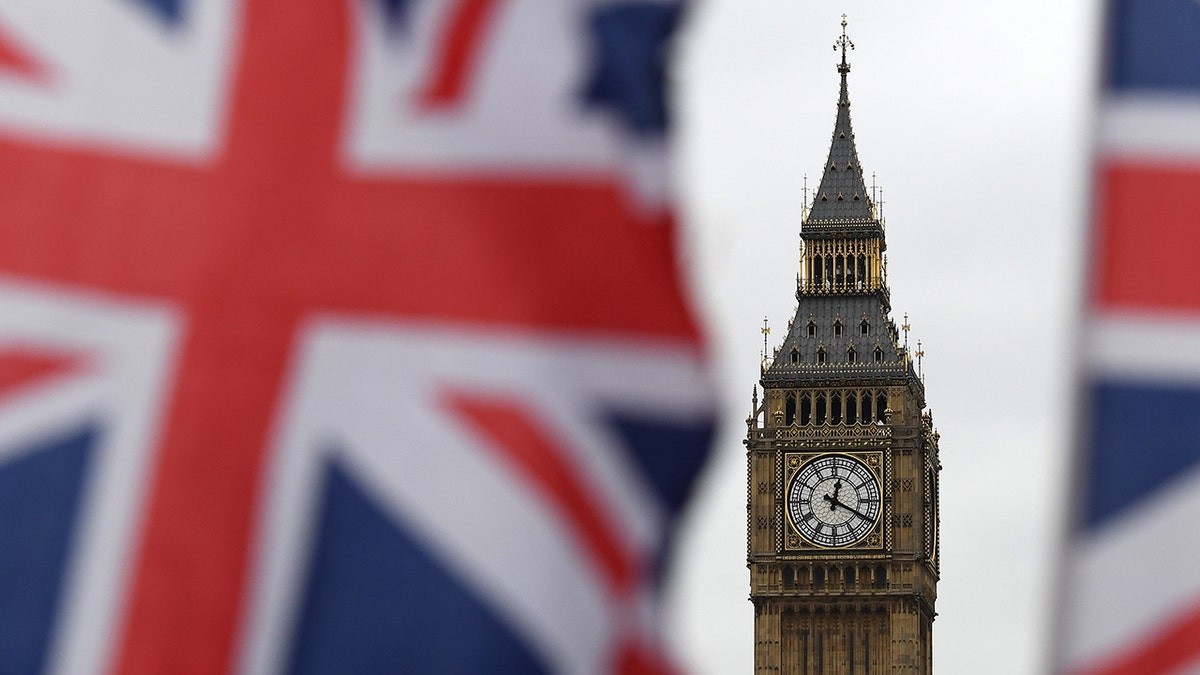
x: 974, y: 117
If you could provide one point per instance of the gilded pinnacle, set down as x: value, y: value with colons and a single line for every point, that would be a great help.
x: 843, y: 42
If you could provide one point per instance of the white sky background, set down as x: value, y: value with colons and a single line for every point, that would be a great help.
x: 975, y: 118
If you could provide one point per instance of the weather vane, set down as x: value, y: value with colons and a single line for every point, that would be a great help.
x: 843, y: 42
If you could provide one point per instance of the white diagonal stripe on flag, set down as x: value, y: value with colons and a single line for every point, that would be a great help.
x: 1114, y: 605
x: 388, y: 381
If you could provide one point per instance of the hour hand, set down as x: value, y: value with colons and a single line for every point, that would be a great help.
x: 833, y: 501
x: 832, y: 497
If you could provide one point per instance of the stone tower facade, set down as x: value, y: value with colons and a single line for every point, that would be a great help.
x: 842, y: 456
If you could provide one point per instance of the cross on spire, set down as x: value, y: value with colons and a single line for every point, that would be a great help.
x: 843, y: 42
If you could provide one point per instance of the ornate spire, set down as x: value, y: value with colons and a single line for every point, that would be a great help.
x: 843, y: 198
x: 842, y: 326
x: 843, y: 42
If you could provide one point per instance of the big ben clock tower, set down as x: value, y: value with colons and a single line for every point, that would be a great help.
x: 842, y: 455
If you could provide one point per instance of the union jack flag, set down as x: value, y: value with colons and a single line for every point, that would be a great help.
x: 339, y: 337
x: 1131, y: 574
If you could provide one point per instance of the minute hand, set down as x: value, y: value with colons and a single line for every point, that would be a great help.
x: 837, y: 502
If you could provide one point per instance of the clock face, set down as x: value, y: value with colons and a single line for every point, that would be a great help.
x: 834, y: 500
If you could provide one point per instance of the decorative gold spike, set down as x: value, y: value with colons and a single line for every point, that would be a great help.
x: 843, y: 42
x: 765, y: 330
x: 804, y: 206
x: 920, y: 355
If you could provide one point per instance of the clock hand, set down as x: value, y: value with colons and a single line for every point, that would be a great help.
x: 832, y: 497
x: 860, y: 514
x: 834, y: 501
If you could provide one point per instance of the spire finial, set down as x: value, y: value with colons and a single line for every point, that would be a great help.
x: 804, y: 208
x: 843, y: 42
x: 920, y: 355
x: 765, y: 330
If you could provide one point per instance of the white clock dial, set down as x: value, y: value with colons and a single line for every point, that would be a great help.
x: 834, y: 500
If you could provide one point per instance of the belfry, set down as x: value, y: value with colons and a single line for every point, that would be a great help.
x: 842, y: 511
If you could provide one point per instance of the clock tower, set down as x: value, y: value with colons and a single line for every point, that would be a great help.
x: 842, y: 455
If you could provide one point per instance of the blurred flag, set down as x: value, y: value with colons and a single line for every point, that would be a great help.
x: 1131, y: 575
x: 339, y: 337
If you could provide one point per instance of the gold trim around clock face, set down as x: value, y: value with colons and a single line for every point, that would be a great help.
x: 833, y: 501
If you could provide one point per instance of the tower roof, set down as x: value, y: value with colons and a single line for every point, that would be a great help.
x: 840, y: 337
x: 842, y: 204
x: 841, y: 330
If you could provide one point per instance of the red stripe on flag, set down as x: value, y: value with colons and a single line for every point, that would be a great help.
x: 460, y: 47
x: 531, y: 451
x: 638, y: 659
x: 16, y: 60
x: 529, y: 448
x: 1173, y: 645
x: 188, y: 575
x: 1147, y: 236
x: 21, y: 366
